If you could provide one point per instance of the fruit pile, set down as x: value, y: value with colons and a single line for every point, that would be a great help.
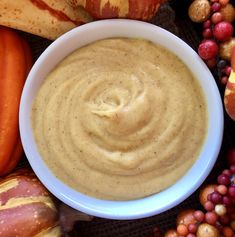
x: 217, y: 217
x: 217, y: 17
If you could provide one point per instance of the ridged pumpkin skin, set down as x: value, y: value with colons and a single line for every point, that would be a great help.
x: 27, y: 209
x: 15, y: 62
x: 132, y: 9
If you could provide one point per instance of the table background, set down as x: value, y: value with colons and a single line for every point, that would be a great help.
x: 173, y: 17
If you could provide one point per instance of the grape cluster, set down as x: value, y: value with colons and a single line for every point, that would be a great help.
x: 217, y: 217
x: 217, y: 33
x: 220, y: 203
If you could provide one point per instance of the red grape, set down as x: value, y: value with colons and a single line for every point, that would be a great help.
x: 209, y: 206
x: 224, y: 219
x: 227, y: 200
x: 199, y: 215
x: 208, y: 49
x: 222, y: 189
x: 207, y: 24
x: 216, y: 17
x: 224, y: 80
x: 215, y: 7
x: 209, y: 196
x: 231, y: 191
x: 223, y: 179
x: 192, y: 228
x: 223, y: 31
x: 211, y: 218
x: 227, y: 172
x: 207, y: 33
x: 216, y: 197
x: 191, y: 235
x: 227, y: 70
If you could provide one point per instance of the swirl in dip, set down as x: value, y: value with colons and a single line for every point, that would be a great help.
x: 120, y: 119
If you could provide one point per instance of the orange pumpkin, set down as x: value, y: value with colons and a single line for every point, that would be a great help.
x: 15, y: 62
x: 132, y: 9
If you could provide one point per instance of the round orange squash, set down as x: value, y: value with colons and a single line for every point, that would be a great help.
x: 15, y: 62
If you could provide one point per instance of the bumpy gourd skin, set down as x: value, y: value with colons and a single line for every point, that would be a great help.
x: 27, y: 209
x: 15, y: 62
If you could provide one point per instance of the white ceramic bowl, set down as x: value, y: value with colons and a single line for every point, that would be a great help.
x: 156, y: 203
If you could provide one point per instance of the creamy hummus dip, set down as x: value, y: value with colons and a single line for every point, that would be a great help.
x: 120, y: 119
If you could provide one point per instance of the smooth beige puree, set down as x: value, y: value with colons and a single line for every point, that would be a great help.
x: 120, y: 119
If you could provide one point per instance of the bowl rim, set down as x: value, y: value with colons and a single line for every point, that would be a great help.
x: 151, y: 205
